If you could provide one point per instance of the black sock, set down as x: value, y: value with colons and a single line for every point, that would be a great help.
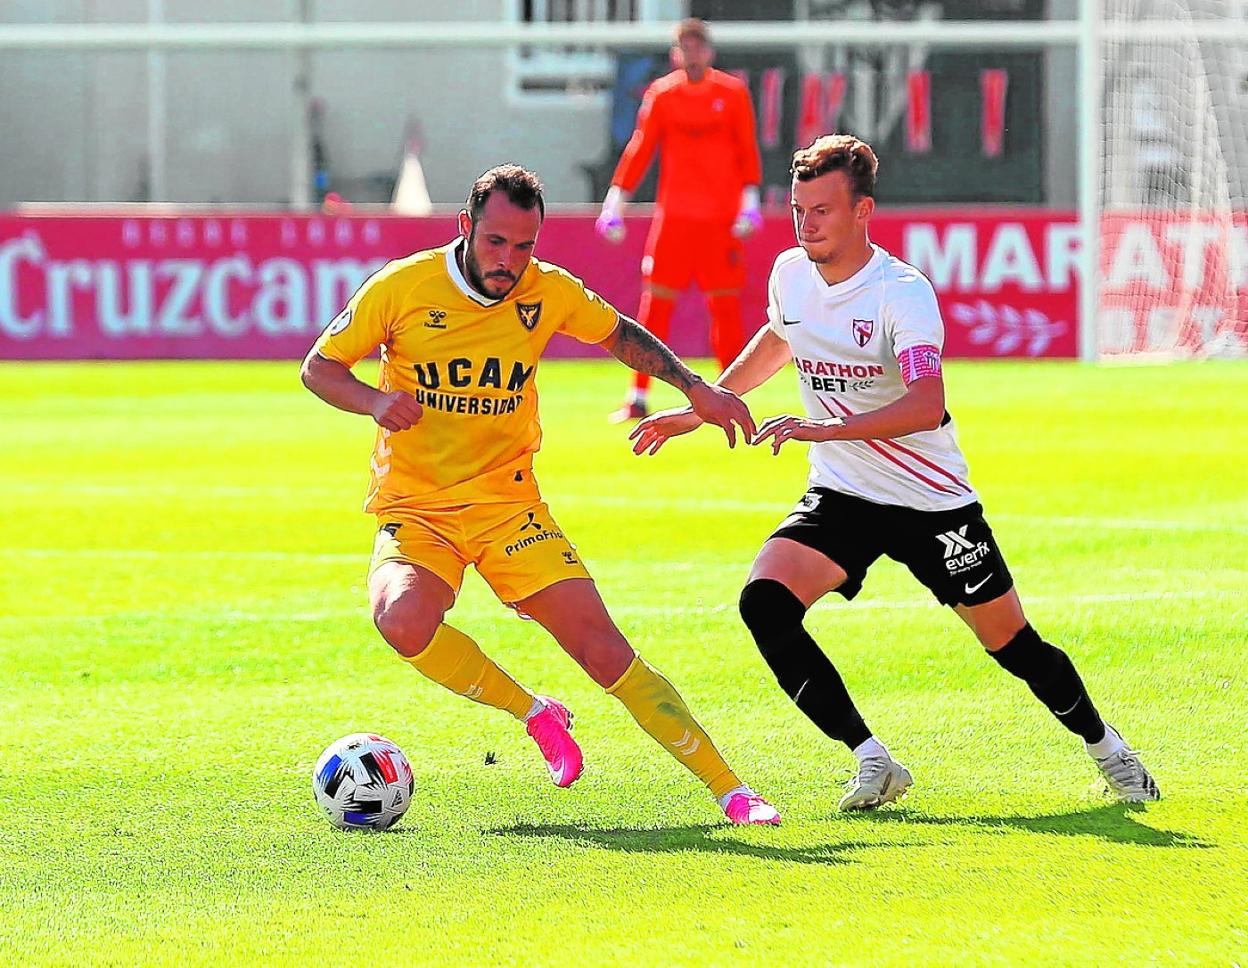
x: 1052, y: 677
x: 774, y: 616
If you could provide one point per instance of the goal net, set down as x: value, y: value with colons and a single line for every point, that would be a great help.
x: 1174, y: 162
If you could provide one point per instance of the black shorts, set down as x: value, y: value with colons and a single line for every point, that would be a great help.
x: 952, y: 552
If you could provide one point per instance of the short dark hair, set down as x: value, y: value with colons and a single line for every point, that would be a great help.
x: 521, y: 186
x: 839, y: 152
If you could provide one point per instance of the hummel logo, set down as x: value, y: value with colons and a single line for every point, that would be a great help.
x: 435, y: 319
x: 789, y: 322
x: 955, y: 542
x: 687, y: 744
x: 972, y: 589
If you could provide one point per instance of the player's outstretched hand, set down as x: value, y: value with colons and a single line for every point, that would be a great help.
x: 397, y: 411
x: 723, y: 408
x: 658, y: 428
x: 786, y: 427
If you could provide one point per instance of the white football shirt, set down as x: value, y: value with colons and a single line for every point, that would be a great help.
x: 845, y: 340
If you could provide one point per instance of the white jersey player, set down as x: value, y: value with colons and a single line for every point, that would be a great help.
x: 887, y: 477
x: 857, y: 346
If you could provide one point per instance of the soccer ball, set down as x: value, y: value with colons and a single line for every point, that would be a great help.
x: 363, y: 782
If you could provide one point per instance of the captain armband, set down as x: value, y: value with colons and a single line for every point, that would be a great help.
x: 917, y: 362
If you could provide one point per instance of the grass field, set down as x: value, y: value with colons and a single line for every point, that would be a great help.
x: 183, y: 629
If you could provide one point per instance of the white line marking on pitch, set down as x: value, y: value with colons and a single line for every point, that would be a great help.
x: 690, y: 505
x: 152, y: 554
x: 1125, y: 524
x: 779, y: 508
x: 835, y: 606
x: 283, y: 492
x: 634, y: 610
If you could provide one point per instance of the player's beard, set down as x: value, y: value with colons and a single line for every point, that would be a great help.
x: 472, y: 271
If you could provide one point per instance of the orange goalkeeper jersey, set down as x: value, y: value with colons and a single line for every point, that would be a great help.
x: 704, y: 134
x: 470, y: 361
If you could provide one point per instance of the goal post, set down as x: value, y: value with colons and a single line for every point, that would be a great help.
x: 1089, y: 83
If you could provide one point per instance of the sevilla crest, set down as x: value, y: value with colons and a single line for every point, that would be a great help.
x: 863, y: 329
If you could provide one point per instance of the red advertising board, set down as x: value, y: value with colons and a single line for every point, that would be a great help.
x: 262, y: 286
x: 1174, y: 283
x: 1007, y: 280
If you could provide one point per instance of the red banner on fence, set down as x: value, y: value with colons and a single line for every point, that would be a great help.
x: 262, y: 286
x: 1173, y: 284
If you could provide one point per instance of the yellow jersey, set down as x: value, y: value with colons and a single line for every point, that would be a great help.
x: 471, y: 362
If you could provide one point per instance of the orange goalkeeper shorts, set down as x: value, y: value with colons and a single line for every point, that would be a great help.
x: 680, y: 251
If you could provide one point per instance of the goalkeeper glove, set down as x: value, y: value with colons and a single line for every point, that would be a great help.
x: 610, y: 225
x: 750, y: 217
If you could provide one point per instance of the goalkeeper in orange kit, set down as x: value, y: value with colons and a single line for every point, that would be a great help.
x: 701, y: 123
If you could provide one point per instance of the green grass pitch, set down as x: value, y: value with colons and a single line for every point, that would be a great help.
x: 183, y: 628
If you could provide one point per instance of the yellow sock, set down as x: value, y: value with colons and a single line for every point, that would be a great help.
x: 661, y: 712
x: 453, y: 660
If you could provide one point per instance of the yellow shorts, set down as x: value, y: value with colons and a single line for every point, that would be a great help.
x: 516, y: 547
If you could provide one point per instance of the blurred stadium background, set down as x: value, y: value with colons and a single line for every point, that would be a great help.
x: 211, y: 179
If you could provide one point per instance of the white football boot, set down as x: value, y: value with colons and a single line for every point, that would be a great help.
x: 1127, y: 778
x: 880, y: 780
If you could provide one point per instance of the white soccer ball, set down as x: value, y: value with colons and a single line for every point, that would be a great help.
x: 363, y: 782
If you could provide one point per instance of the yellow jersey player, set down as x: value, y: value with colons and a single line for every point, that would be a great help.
x: 460, y: 329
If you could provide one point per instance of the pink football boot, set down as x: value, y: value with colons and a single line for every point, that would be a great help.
x: 750, y: 808
x: 549, y: 730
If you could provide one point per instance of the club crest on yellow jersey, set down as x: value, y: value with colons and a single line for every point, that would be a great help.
x: 470, y: 366
x: 529, y: 314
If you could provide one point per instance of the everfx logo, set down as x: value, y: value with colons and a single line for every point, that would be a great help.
x: 955, y: 542
x: 961, y: 553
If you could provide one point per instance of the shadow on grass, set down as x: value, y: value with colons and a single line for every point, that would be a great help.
x: 1112, y: 822
x: 675, y: 840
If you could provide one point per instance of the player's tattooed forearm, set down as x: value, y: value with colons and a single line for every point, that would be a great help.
x: 637, y: 347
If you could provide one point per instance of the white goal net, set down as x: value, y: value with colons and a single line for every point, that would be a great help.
x: 1174, y: 153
